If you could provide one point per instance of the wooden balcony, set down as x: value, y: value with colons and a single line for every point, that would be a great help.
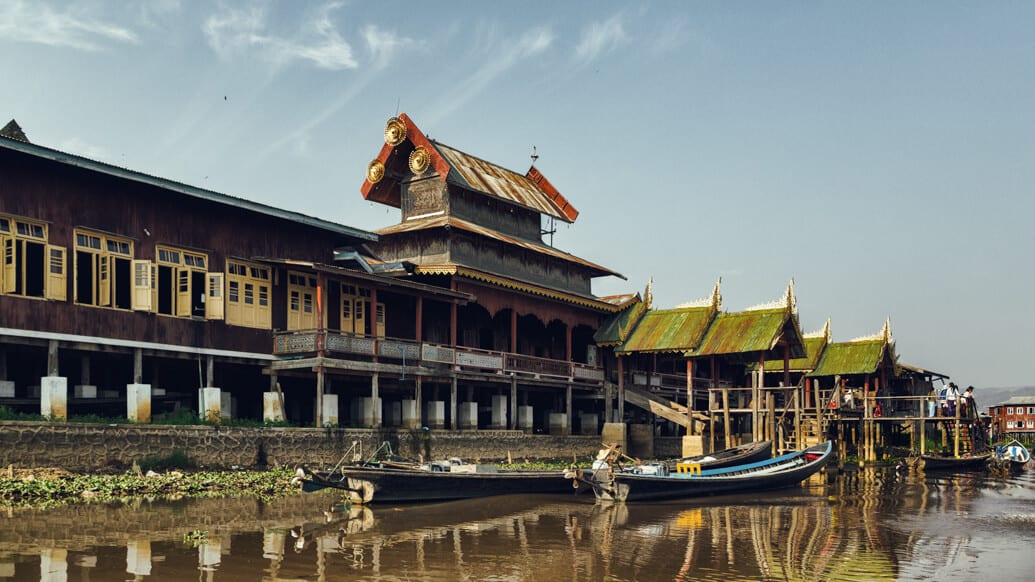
x: 306, y: 343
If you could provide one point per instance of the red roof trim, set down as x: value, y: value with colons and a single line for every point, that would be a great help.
x: 387, y: 192
x: 560, y: 201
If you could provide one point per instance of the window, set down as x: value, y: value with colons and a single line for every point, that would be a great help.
x: 1009, y: 410
x: 301, y: 301
x: 27, y: 267
x: 1031, y: 424
x: 1031, y: 410
x: 182, y: 284
x: 248, y: 295
x: 103, y: 270
x: 355, y: 306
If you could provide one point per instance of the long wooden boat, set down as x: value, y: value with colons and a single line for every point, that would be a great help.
x: 610, y: 483
x: 739, y: 455
x: 947, y: 463
x: 397, y: 485
x: 1014, y: 453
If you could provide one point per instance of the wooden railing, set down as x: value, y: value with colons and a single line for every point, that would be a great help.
x: 336, y: 344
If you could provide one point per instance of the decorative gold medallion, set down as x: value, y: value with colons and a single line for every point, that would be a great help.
x: 420, y: 159
x: 395, y: 131
x: 375, y: 171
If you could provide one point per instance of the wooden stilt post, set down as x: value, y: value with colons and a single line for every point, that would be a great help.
x: 728, y: 428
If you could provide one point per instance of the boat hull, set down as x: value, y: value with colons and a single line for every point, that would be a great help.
x: 749, y: 453
x: 785, y: 471
x: 936, y: 463
x: 408, y: 486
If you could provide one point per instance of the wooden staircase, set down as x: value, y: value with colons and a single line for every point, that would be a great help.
x: 662, y: 407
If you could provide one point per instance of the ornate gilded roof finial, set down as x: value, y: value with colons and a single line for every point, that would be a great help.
x: 716, y: 295
x: 886, y: 332
x: 792, y: 302
x: 648, y: 293
x: 826, y: 330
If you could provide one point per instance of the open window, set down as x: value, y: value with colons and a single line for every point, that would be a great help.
x: 301, y: 301
x: 24, y: 256
x: 181, y: 282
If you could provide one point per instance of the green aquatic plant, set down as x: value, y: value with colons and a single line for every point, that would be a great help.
x: 195, y: 538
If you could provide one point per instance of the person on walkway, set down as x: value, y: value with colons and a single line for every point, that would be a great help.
x: 932, y: 402
x: 970, y: 407
x: 951, y: 396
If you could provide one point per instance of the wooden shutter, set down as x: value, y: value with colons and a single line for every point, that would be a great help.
x: 10, y: 266
x: 263, y: 313
x: 57, y: 278
x: 104, y: 264
x: 143, y: 286
x: 214, y: 297
x: 360, y: 315
x: 379, y: 319
x: 183, y: 298
x: 346, y: 313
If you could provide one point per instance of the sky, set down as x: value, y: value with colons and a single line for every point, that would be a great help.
x: 881, y: 154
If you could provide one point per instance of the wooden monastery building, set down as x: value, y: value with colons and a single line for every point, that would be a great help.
x: 122, y: 292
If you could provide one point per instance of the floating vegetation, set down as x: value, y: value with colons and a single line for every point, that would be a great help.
x: 51, y: 487
x: 195, y: 538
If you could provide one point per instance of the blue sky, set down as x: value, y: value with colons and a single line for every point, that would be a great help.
x: 880, y: 154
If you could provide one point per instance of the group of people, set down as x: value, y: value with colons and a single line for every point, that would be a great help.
x: 949, y: 399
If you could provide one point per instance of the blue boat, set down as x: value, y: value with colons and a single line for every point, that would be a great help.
x: 654, y: 482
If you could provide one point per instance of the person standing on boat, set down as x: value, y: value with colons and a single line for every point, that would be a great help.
x: 969, y: 406
x: 951, y: 396
x: 932, y: 402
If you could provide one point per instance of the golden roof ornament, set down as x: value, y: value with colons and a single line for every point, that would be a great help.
x: 420, y: 159
x: 395, y: 131
x: 648, y: 293
x: 375, y: 171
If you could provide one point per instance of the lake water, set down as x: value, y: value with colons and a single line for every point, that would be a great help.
x: 866, y: 525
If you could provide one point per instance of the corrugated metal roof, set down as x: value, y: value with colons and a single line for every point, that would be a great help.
x: 180, y: 188
x: 443, y: 221
x: 844, y: 358
x: 477, y: 174
x: 745, y: 331
x: 669, y: 330
x: 616, y: 328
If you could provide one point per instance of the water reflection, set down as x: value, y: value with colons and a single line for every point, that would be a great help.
x: 866, y: 525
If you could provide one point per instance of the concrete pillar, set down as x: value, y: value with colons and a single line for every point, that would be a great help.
x: 53, y: 565
x: 138, y: 402
x: 367, y: 411
x: 54, y: 397
x: 410, y: 419
x: 567, y: 409
x: 525, y: 418
x: 210, y: 554
x: 468, y: 415
x: 226, y: 405
x: 84, y: 391
x: 559, y: 423
x: 436, y: 414
x: 418, y: 398
x: 138, y: 557
x: 273, y: 544
x: 615, y: 433
x: 330, y: 410
x: 395, y: 417
x: 271, y: 408
x: 588, y: 423
x: 210, y: 404
x: 499, y: 412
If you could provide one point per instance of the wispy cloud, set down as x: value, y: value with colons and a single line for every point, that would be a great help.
x: 600, y: 38
x: 37, y: 22
x: 383, y: 44
x: 501, y: 55
x: 236, y: 31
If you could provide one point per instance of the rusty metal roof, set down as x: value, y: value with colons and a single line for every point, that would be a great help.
x: 476, y: 174
x: 508, y: 283
x: 443, y: 221
x: 669, y: 330
x: 616, y: 328
x: 531, y: 190
x: 751, y: 331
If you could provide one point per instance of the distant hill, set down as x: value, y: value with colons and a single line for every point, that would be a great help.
x: 986, y: 397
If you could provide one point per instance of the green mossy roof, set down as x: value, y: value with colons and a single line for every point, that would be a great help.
x: 669, y: 330
x: 617, y: 326
x: 814, y: 347
x: 743, y: 332
x: 856, y: 357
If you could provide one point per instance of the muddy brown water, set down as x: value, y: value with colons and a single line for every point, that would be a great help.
x: 866, y: 525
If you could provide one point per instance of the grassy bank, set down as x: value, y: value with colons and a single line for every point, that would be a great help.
x: 45, y: 487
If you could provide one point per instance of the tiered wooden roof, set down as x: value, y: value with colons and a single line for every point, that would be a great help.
x: 758, y: 329
x: 531, y: 190
x: 676, y: 330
